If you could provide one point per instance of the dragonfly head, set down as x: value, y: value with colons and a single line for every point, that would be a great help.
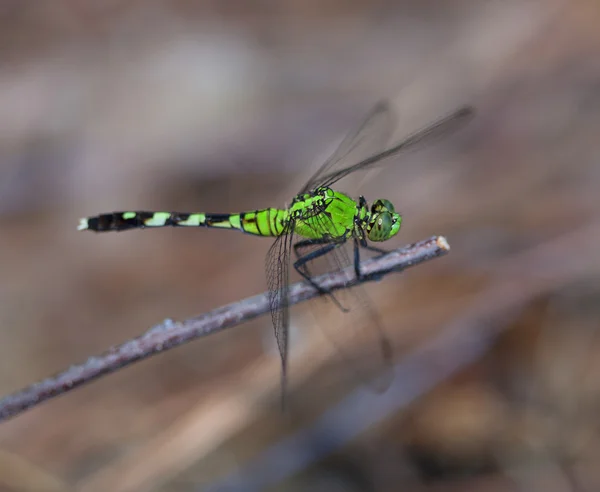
x: 384, y: 222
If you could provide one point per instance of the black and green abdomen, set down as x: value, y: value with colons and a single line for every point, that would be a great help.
x: 323, y: 213
x: 267, y: 222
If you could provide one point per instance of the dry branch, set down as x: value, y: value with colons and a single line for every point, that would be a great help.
x: 169, y: 334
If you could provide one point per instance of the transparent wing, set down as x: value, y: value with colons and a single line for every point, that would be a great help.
x: 370, y: 138
x: 357, y: 334
x: 425, y: 136
x: 277, y: 265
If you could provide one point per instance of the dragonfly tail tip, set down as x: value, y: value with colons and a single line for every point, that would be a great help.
x: 83, y: 225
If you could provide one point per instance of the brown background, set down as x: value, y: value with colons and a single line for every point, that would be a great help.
x: 225, y: 106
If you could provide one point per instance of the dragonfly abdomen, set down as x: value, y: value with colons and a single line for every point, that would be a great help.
x: 266, y: 222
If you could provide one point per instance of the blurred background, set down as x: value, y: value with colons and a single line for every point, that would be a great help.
x: 227, y: 106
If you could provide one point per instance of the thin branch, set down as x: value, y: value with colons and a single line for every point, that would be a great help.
x: 170, y: 334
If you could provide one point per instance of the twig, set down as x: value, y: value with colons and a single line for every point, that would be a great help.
x: 169, y: 334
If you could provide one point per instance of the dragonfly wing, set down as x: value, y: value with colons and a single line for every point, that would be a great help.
x: 370, y: 138
x: 357, y: 334
x: 425, y: 136
x: 277, y: 268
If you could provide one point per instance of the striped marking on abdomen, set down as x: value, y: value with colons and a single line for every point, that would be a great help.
x: 267, y: 222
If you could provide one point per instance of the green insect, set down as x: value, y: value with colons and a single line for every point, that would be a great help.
x: 319, y: 221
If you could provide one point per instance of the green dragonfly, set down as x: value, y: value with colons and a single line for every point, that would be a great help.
x: 319, y: 221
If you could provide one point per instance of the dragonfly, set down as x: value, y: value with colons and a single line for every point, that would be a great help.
x: 318, y: 223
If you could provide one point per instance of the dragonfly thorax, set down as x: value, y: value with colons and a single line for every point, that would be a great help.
x: 383, y: 221
x: 327, y: 213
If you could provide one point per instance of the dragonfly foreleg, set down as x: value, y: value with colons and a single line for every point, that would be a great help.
x: 366, y: 245
x: 362, y: 243
x: 301, y: 264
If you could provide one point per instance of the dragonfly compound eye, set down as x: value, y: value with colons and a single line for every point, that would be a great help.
x: 380, y: 226
x: 382, y: 205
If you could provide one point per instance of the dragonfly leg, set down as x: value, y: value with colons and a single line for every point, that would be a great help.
x: 381, y: 251
x: 357, y: 245
x: 362, y: 243
x: 301, y: 264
